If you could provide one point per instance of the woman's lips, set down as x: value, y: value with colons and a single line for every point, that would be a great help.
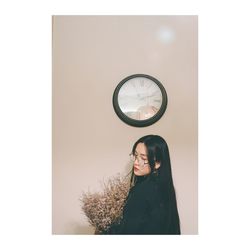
x: 136, y: 168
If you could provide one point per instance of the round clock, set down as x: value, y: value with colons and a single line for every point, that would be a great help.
x: 140, y: 100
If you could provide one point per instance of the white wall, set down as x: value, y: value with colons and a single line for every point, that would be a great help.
x: 91, y: 55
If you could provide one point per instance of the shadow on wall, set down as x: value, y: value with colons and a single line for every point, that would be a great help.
x: 77, y: 228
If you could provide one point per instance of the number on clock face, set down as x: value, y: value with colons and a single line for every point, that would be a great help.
x: 140, y: 98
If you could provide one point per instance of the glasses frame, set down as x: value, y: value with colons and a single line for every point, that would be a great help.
x: 141, y: 161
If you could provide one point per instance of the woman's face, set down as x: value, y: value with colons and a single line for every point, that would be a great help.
x: 141, y: 166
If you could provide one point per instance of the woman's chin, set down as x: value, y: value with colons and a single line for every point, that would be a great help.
x: 136, y: 172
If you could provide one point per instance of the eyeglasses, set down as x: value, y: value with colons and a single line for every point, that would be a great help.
x: 141, y: 161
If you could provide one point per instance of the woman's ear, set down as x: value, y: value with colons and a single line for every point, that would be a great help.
x: 157, y: 165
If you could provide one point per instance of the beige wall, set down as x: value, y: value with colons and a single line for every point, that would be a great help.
x: 91, y: 55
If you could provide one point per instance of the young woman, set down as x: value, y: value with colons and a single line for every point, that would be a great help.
x: 150, y: 207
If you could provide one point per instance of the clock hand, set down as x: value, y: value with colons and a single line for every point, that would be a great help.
x: 148, y: 96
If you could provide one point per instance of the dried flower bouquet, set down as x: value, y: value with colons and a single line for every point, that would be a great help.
x: 105, y: 208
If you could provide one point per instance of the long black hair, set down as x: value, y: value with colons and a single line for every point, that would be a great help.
x: 157, y: 151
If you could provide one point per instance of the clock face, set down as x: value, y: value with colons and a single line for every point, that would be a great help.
x: 140, y: 100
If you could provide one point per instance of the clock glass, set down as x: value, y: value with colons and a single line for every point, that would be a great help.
x: 140, y: 98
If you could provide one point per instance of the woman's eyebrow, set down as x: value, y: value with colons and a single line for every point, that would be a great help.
x: 141, y: 154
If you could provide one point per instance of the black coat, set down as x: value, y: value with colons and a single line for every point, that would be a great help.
x: 144, y: 212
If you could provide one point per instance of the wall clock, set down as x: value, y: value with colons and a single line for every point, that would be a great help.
x: 140, y: 100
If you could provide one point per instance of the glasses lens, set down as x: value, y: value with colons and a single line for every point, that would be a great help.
x: 132, y: 157
x: 139, y: 159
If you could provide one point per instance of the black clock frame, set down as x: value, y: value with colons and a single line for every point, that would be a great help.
x: 140, y: 123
